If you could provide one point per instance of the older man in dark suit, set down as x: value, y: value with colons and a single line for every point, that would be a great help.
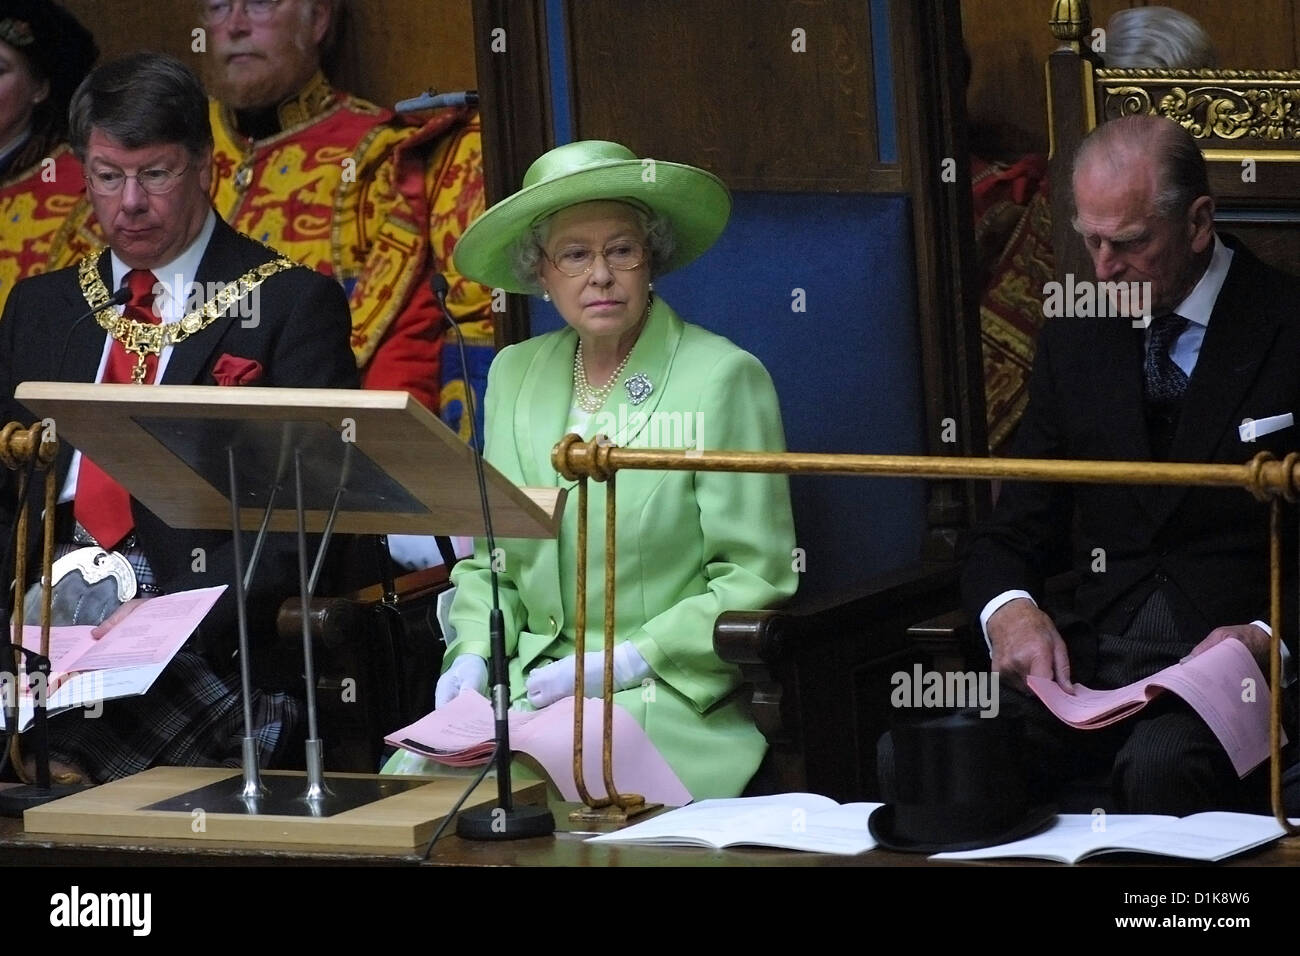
x: 1166, y: 572
x: 140, y: 127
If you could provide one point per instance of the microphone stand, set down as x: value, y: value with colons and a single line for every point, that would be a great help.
x: 504, y: 821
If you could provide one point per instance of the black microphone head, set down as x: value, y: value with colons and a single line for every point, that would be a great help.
x: 438, y: 283
x: 120, y: 296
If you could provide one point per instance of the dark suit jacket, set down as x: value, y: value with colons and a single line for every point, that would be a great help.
x: 301, y: 340
x: 1206, y: 547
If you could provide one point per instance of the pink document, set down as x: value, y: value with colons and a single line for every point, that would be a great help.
x: 150, y: 634
x: 1224, y: 685
x: 85, y: 672
x: 460, y: 734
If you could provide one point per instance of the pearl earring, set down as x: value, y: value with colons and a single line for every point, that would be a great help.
x: 650, y: 287
x: 546, y: 297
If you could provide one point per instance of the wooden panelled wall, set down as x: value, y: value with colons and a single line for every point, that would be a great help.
x: 389, y: 49
x: 1009, y: 41
x: 788, y: 100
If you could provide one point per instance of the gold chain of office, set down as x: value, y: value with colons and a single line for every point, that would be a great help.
x: 144, y: 338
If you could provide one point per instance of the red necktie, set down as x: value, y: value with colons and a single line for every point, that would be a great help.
x: 102, y: 505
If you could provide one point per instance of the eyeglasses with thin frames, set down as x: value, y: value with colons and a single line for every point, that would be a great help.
x: 216, y: 12
x: 156, y: 182
x: 622, y: 254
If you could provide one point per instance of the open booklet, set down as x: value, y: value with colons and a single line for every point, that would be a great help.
x: 1209, y: 837
x: 790, y: 821
x: 1223, y: 684
x: 85, y: 672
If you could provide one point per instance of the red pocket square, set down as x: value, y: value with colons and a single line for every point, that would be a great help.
x: 233, y: 370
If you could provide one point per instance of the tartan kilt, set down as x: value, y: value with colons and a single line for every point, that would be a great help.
x: 191, y: 717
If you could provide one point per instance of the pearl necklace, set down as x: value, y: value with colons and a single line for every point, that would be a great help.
x: 589, y: 399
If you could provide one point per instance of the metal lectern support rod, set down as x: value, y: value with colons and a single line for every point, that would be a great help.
x: 253, y: 789
x: 329, y: 522
x: 261, y: 533
x: 316, y: 788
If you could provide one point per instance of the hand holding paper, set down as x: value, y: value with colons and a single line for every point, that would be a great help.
x: 467, y: 672
x: 1223, y: 684
x: 1255, y: 640
x: 100, y: 630
x: 1024, y: 643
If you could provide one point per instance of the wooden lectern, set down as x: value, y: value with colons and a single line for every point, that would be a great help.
x: 275, y: 459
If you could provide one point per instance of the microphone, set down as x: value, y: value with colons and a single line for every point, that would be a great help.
x: 440, y: 289
x: 121, y: 297
x: 486, y: 823
x: 435, y: 101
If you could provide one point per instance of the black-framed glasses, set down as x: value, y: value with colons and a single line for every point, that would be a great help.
x: 216, y: 12
x: 156, y: 182
x: 574, y: 261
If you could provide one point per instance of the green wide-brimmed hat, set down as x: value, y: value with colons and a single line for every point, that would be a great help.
x: 695, y: 203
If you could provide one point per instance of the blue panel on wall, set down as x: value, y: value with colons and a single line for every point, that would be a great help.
x: 847, y: 370
x: 883, y: 71
x: 557, y: 55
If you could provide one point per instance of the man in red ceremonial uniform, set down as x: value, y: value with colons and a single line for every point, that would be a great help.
x: 341, y: 185
x: 356, y: 193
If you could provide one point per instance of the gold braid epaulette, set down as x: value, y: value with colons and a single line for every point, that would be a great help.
x: 143, y: 338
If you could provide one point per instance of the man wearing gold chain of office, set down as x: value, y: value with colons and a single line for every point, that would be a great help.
x: 140, y: 127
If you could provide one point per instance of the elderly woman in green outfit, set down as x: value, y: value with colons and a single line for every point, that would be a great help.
x: 589, y: 230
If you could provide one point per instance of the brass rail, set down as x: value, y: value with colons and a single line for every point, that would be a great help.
x: 23, y: 448
x: 1264, y: 476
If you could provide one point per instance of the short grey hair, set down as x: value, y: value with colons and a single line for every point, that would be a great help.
x: 1157, y: 38
x: 1181, y: 170
x: 526, y: 253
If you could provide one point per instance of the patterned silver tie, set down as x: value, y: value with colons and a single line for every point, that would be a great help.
x: 1164, y: 381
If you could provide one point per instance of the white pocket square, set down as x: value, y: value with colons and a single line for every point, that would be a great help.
x: 1252, y: 428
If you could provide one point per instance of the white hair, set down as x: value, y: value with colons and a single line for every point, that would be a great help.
x: 1157, y: 38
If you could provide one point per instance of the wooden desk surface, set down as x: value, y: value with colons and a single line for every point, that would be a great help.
x: 563, y: 849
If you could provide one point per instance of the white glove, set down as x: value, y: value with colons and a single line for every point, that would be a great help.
x: 555, y: 680
x: 413, y: 552
x: 467, y: 672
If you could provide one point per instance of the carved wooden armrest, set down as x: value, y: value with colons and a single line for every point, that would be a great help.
x: 757, y: 642
x: 751, y: 637
x: 334, y: 620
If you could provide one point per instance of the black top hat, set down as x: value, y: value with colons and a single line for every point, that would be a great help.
x: 961, y: 786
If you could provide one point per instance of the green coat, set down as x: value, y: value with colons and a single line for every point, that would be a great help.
x: 689, y: 545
